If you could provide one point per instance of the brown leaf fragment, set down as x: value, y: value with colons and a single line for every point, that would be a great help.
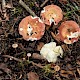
x: 78, y: 62
x: 1, y: 31
x: 78, y: 70
x: 32, y: 76
x: 65, y: 47
x: 63, y: 73
x: 58, y: 77
x: 4, y: 68
x: 66, y: 73
x: 0, y: 19
x: 69, y: 66
x: 55, y: 37
x: 70, y: 72
x: 39, y: 46
x: 63, y: 1
x: 1, y: 72
x: 37, y: 56
x: 8, y: 5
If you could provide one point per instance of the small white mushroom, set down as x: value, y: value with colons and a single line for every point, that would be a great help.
x: 15, y: 45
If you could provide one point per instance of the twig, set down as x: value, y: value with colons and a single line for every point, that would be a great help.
x: 44, y: 3
x: 19, y: 60
x: 4, y: 10
x: 38, y: 65
x: 11, y: 57
x: 3, y: 4
x: 27, y: 8
x: 55, y: 37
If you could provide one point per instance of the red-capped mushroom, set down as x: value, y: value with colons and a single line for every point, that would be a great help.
x: 51, y: 13
x: 69, y: 32
x: 31, y: 28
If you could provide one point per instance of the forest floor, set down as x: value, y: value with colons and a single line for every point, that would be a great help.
x: 15, y: 64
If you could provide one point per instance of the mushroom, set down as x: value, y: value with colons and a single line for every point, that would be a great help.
x: 31, y: 28
x: 50, y: 51
x: 69, y: 32
x: 51, y: 13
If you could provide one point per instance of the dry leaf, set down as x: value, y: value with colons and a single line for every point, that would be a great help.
x: 39, y: 46
x: 63, y: 1
x: 8, y: 5
x: 69, y: 66
x: 1, y: 31
x: 70, y: 72
x: 37, y: 56
x: 78, y: 62
x: 66, y: 73
x: 78, y: 70
x: 63, y: 73
x: 32, y: 76
x: 47, y: 27
x: 4, y: 68
x: 65, y: 47
x: 0, y: 19
x: 56, y: 37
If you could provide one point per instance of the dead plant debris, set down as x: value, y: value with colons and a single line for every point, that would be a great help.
x: 14, y: 62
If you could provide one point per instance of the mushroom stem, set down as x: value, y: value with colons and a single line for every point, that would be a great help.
x: 27, y: 8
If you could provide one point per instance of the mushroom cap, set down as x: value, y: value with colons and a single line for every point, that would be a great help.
x: 31, y: 28
x: 51, y: 13
x: 69, y: 32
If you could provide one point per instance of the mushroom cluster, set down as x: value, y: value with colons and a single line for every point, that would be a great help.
x: 31, y: 28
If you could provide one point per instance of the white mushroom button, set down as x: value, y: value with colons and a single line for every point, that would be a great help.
x: 50, y: 51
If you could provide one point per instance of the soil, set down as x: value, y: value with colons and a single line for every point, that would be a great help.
x: 15, y: 64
